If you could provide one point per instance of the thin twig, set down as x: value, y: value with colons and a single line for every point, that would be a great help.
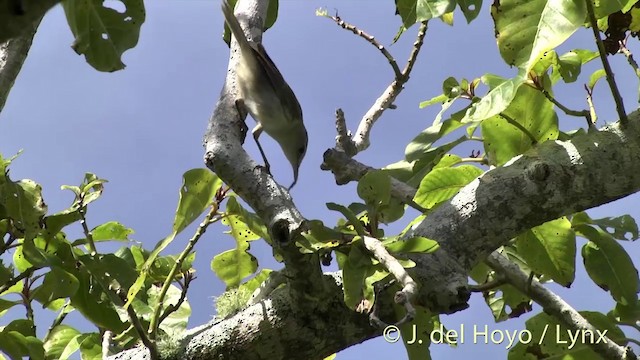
x: 93, y: 251
x: 630, y: 58
x: 58, y: 320
x: 135, y: 321
x: 489, y: 285
x: 26, y: 300
x: 346, y: 169
x: 171, y: 308
x: 605, y: 63
x: 481, y: 160
x: 344, y: 136
x: 385, y: 101
x: 409, y: 289
x: 417, y: 45
x: 155, y: 320
x: 371, y: 39
x: 578, y: 113
x: 360, y: 140
x: 23, y: 275
x: 513, y: 122
x: 592, y: 109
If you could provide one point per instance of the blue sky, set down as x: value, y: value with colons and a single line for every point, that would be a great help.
x: 142, y: 127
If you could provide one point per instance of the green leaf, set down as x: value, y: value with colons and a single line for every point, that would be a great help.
x: 23, y: 203
x: 351, y: 217
x: 533, y: 112
x: 470, y: 9
x: 448, y: 161
x: 419, y: 332
x: 434, y: 100
x: 525, y: 29
x: 392, y: 211
x: 570, y: 64
x: 58, y: 341
x: 374, y: 274
x: 375, y: 188
x: 112, y: 230
x: 421, y: 144
x: 18, y: 339
x: 6, y: 305
x: 56, y: 222
x: 412, y: 11
x: 254, y: 283
x: 416, y: 244
x: 90, y: 347
x: 618, y: 227
x: 91, y: 188
x: 550, y: 249
x: 318, y: 237
x: 57, y: 284
x: 354, y: 270
x: 198, y: 190
x: 90, y: 299
x: 595, y: 77
x: 234, y: 265
x: 609, y: 265
x: 175, y: 324
x: 606, y: 8
x: 196, y: 194
x: 251, y: 220
x: 551, y: 340
x: 441, y: 184
x: 496, y: 100
x: 239, y: 229
x: 103, y: 34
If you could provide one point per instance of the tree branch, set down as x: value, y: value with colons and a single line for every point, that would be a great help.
x: 20, y: 16
x: 553, y: 305
x: 555, y: 178
x: 280, y: 329
x: 12, y: 55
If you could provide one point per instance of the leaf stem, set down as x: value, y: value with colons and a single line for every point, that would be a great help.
x: 155, y: 320
x: 605, y: 63
x: 513, y: 122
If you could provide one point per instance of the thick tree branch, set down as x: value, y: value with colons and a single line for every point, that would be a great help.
x: 12, y: 55
x: 17, y: 17
x: 279, y: 329
x: 554, y: 179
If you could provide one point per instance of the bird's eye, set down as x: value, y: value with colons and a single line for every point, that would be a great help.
x: 301, y: 150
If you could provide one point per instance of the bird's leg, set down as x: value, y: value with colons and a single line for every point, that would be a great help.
x: 256, y: 134
x: 242, y: 112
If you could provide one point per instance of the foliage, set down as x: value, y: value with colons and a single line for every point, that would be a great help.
x: 138, y: 294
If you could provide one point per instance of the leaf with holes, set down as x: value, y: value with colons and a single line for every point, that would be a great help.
x: 102, y: 33
x: 234, y: 265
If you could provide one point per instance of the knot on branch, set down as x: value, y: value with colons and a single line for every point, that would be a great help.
x: 538, y: 171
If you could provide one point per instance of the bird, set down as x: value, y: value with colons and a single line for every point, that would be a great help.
x: 268, y: 98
